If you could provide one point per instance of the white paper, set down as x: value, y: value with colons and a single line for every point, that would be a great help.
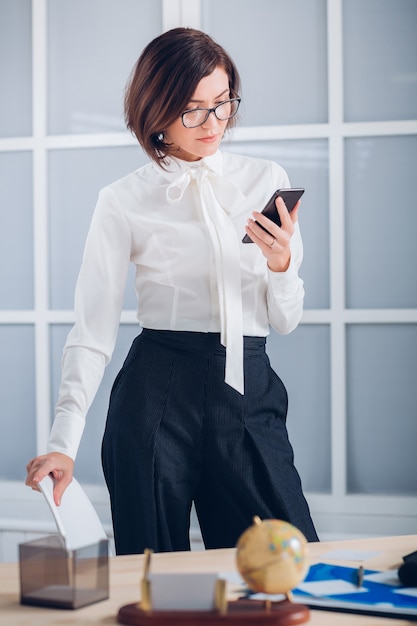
x: 407, y: 591
x: 272, y: 597
x: 76, y: 518
x: 233, y: 578
x: 330, y: 588
x: 188, y: 592
x: 388, y: 577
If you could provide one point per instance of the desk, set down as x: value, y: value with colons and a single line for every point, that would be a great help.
x: 125, y: 573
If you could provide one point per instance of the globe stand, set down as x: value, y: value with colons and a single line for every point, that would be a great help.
x: 241, y: 612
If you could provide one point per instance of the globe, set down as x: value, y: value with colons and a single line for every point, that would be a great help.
x: 271, y: 556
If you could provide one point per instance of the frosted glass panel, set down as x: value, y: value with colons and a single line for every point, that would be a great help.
x: 381, y: 409
x: 88, y: 462
x: 302, y: 361
x: 76, y: 176
x: 18, y: 403
x: 381, y: 222
x: 281, y: 53
x: 380, y: 53
x: 16, y: 68
x: 16, y: 232
x: 307, y: 165
x: 93, y: 46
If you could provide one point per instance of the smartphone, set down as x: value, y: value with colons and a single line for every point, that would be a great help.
x: 290, y: 197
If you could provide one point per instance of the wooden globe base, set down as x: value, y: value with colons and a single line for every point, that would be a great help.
x: 239, y: 613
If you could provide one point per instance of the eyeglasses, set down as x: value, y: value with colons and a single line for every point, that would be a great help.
x: 223, y: 111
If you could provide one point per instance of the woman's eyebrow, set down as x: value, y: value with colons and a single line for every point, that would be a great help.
x: 219, y: 96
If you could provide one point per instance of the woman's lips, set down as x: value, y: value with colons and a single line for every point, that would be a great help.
x: 209, y: 139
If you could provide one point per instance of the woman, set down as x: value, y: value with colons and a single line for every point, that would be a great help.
x: 196, y: 414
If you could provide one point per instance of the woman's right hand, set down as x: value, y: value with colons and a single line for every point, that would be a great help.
x: 59, y: 465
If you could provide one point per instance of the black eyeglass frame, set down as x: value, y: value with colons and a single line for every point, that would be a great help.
x: 212, y: 110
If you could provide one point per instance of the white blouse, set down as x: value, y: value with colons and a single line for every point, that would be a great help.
x: 182, y: 228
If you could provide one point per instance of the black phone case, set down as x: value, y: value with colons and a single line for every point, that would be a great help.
x: 290, y: 197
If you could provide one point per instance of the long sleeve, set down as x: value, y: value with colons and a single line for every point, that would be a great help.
x: 98, y: 302
x: 285, y: 295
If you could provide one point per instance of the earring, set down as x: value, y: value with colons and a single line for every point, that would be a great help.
x: 161, y: 137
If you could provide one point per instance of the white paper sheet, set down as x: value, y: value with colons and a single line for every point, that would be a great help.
x: 190, y: 592
x: 330, y: 588
x: 76, y: 518
x: 409, y: 591
x: 388, y: 577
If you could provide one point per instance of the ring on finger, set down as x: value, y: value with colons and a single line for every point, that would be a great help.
x: 272, y: 244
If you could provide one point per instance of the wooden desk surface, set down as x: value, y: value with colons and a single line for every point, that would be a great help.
x: 126, y: 571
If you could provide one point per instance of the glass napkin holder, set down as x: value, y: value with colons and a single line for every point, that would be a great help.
x: 53, y: 576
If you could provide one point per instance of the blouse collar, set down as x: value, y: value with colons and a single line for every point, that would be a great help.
x: 175, y: 167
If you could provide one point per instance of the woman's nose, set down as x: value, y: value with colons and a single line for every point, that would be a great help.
x: 211, y: 121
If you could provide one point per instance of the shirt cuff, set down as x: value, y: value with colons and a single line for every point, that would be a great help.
x: 66, y: 433
x: 281, y: 283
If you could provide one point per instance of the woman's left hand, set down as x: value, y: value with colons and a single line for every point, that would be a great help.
x: 275, y: 244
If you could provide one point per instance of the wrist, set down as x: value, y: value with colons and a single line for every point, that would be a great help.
x: 279, y: 265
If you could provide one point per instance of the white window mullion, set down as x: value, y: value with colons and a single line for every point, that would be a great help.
x: 181, y: 13
x: 337, y: 252
x: 191, y: 13
x: 40, y: 168
x: 171, y: 14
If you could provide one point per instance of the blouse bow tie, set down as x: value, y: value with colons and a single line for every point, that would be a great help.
x: 218, y: 197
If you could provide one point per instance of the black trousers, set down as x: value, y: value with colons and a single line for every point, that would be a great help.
x: 176, y: 433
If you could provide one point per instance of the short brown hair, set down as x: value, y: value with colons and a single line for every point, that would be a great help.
x: 164, y: 79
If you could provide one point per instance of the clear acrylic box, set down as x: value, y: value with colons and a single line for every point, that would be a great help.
x: 52, y: 576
